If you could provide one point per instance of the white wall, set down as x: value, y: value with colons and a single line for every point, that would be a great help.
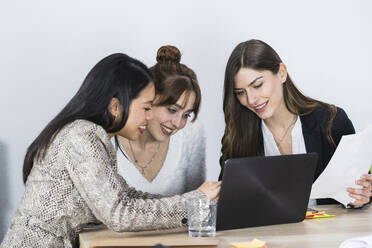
x: 47, y: 47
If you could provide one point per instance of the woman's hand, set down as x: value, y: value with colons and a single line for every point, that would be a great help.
x: 211, y: 189
x: 363, y: 195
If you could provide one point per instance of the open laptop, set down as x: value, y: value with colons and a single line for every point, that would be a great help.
x: 258, y: 191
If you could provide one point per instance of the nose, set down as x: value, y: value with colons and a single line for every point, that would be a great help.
x: 251, y: 98
x: 177, y: 121
x: 149, y: 115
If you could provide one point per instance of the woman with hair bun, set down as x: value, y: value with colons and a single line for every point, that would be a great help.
x: 266, y: 115
x: 169, y: 157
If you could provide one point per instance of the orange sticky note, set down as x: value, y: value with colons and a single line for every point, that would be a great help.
x: 255, y: 243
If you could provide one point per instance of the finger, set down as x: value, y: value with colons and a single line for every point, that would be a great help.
x: 363, y: 182
x: 359, y: 199
x: 367, y: 177
x: 368, y: 194
x: 214, y: 190
x: 358, y: 191
x: 214, y: 197
x: 362, y: 192
x: 216, y: 185
x: 356, y: 204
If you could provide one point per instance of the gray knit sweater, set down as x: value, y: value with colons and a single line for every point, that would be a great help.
x: 77, y: 183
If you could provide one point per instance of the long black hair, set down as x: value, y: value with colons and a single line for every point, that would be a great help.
x: 116, y: 76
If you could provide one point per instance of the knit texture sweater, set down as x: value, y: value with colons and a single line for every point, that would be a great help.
x: 183, y: 169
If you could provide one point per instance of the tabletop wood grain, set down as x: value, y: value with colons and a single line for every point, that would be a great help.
x: 327, y: 232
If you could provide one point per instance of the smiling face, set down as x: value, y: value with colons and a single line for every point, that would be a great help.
x: 261, y: 91
x: 139, y: 114
x: 171, y: 118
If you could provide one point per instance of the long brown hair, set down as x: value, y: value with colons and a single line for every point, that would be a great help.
x: 243, y: 134
x: 172, y: 79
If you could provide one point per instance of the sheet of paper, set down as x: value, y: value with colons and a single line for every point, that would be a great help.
x: 352, y: 158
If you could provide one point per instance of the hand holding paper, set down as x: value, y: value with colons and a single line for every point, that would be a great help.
x: 362, y: 196
x: 352, y: 158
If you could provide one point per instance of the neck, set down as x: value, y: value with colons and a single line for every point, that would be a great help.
x: 281, y: 118
x: 145, y: 139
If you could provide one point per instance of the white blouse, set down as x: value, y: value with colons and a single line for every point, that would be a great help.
x: 298, y: 142
x: 183, y: 168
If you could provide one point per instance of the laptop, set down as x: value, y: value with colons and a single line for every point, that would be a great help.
x: 259, y: 191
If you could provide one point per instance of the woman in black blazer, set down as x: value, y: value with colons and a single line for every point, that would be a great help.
x: 263, y: 109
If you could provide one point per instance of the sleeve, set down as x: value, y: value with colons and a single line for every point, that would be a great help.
x: 195, y: 157
x: 112, y: 201
x: 342, y: 125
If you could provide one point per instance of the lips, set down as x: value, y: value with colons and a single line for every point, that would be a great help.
x: 141, y: 129
x: 260, y: 108
x: 166, y: 130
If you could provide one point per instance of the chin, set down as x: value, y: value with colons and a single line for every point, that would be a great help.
x: 161, y: 137
x: 264, y: 116
x: 133, y: 137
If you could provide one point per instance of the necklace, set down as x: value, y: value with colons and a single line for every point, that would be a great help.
x: 279, y: 142
x: 143, y: 167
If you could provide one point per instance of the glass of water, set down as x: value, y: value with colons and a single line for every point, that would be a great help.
x: 201, y: 215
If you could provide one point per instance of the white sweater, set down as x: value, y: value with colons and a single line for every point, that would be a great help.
x: 183, y: 169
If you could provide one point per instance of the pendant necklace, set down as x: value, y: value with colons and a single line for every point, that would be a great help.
x: 143, y: 167
x: 279, y: 142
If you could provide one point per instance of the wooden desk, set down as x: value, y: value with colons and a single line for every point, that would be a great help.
x: 328, y: 232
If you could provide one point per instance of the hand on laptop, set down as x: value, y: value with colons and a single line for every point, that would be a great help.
x: 211, y: 189
x: 362, y: 196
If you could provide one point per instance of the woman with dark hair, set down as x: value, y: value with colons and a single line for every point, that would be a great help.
x: 169, y: 158
x: 70, y: 170
x: 265, y: 114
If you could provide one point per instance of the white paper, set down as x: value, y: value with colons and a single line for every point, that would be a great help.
x: 352, y: 158
x: 360, y: 242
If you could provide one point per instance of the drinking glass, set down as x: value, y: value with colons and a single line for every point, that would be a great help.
x: 201, y: 216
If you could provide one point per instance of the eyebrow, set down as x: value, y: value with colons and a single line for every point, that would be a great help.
x: 251, y: 82
x: 180, y: 107
x: 148, y: 102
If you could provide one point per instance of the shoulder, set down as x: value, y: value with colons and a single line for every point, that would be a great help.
x: 320, y: 116
x: 83, y: 127
x: 83, y: 131
x: 319, y: 113
x: 342, y: 125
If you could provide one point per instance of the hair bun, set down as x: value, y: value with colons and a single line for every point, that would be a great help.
x: 168, y: 54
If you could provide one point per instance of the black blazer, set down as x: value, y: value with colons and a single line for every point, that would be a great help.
x: 314, y: 129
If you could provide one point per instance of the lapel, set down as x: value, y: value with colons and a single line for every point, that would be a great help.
x: 311, y: 135
x: 311, y: 132
x: 312, y: 138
